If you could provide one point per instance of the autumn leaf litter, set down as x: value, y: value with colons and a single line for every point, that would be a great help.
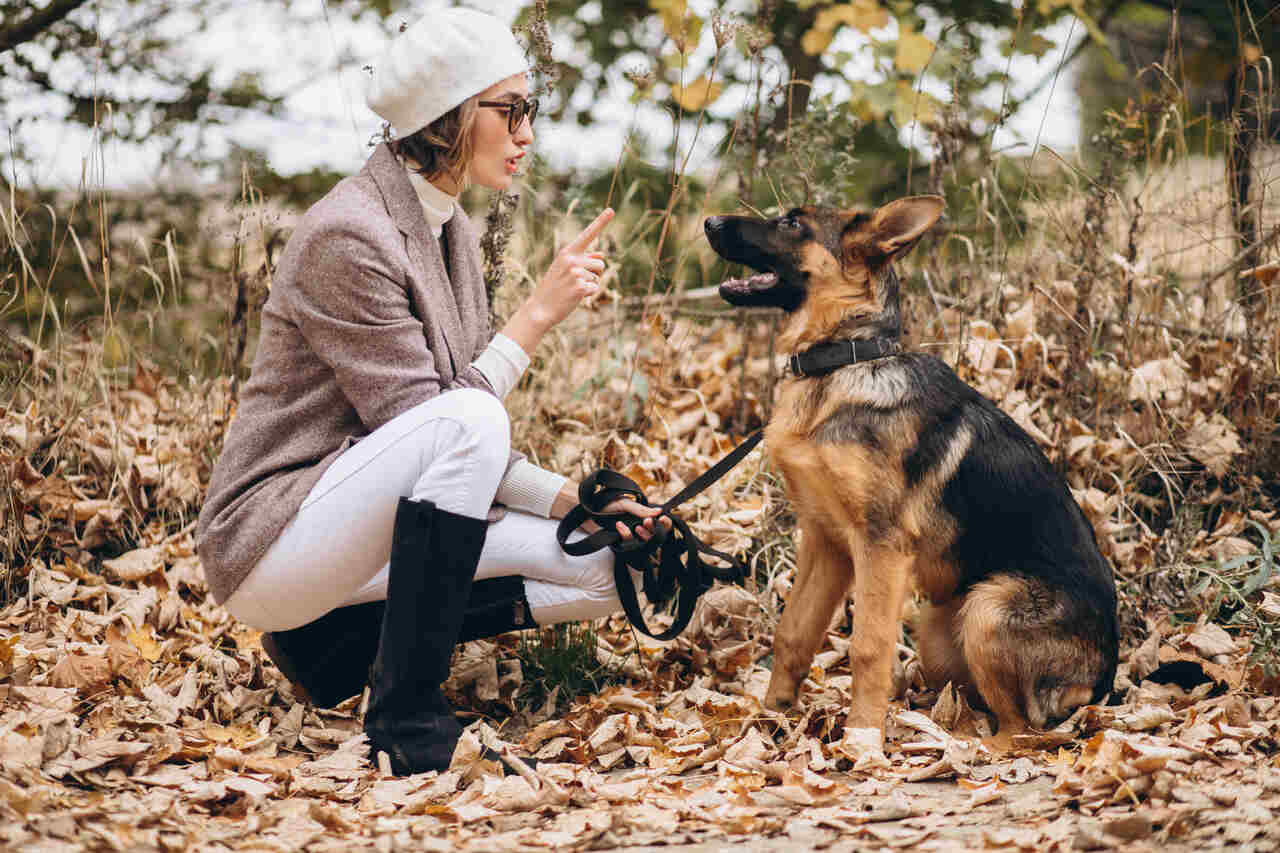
x: 134, y: 714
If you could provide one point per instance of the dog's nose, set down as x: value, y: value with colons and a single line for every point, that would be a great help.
x: 713, y: 224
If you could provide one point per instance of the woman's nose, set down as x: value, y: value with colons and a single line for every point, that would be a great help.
x: 524, y: 133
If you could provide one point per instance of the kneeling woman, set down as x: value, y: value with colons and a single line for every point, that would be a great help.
x: 351, y: 515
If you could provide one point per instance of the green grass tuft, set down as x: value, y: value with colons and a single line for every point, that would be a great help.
x: 1233, y: 593
x: 562, y: 656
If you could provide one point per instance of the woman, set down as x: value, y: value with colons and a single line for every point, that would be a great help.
x: 353, y: 504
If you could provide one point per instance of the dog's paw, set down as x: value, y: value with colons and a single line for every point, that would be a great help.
x: 864, y: 747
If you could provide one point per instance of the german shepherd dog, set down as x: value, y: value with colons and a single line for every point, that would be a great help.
x: 899, y: 472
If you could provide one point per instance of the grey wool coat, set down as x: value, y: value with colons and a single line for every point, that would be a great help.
x: 366, y: 319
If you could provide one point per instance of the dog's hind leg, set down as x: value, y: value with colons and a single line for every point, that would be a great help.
x: 823, y: 573
x: 1029, y: 660
x: 991, y: 659
x: 882, y: 579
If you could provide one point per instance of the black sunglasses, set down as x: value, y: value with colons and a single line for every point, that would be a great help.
x: 516, y: 111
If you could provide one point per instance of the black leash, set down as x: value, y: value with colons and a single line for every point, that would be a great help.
x: 670, y: 563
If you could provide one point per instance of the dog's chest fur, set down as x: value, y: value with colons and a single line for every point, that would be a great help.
x: 845, y: 444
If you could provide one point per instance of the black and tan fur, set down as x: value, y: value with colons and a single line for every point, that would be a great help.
x: 902, y: 474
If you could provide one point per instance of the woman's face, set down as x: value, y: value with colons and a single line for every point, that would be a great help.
x: 496, y: 152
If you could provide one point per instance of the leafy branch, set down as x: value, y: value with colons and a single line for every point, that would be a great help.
x: 1235, y: 584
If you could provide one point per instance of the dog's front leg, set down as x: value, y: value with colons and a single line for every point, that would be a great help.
x: 880, y: 586
x: 822, y: 578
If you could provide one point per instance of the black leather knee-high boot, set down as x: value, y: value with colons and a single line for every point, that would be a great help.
x: 434, y: 554
x: 328, y: 659
x: 497, y: 605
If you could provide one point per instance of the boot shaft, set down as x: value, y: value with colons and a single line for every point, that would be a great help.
x: 496, y: 606
x: 434, y: 554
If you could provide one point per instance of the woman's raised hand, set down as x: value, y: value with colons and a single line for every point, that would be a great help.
x: 574, y: 275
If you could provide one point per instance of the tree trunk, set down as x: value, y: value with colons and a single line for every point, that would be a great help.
x: 802, y: 67
x: 1244, y: 140
x: 1246, y: 114
x: 799, y: 87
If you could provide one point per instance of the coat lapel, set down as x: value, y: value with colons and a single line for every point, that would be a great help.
x: 467, y: 278
x: 432, y: 289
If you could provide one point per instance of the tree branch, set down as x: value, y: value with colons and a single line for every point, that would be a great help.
x: 37, y: 22
x: 1243, y: 256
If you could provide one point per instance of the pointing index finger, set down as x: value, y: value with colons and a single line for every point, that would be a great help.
x: 592, y: 231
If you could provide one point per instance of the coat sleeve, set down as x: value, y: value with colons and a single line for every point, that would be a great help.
x: 353, y: 308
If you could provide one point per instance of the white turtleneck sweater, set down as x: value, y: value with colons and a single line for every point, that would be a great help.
x: 525, y: 486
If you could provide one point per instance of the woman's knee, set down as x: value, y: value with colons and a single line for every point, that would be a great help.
x: 465, y: 451
x: 480, y: 425
x: 483, y: 418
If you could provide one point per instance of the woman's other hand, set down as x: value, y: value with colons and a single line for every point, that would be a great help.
x: 653, y: 520
x: 574, y: 275
x: 651, y: 515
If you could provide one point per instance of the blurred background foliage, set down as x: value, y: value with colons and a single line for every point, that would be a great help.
x: 812, y: 101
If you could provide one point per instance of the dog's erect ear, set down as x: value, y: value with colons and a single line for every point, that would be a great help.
x: 897, y: 226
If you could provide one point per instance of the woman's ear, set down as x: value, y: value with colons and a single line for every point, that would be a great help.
x: 897, y: 226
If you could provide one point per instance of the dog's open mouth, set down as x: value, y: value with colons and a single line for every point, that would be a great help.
x: 746, y: 286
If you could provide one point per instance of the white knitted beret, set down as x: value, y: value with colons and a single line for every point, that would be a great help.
x: 437, y: 63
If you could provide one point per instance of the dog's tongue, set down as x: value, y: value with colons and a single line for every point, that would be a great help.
x: 761, y: 281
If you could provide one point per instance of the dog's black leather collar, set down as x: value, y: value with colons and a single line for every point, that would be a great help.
x: 824, y: 358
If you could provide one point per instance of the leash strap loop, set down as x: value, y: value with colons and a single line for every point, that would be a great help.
x: 670, y: 564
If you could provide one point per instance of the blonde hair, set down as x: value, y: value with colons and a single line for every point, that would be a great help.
x: 444, y: 147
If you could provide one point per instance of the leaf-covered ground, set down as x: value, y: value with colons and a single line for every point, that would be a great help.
x: 134, y: 714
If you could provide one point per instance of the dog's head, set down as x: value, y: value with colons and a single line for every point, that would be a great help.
x: 825, y: 260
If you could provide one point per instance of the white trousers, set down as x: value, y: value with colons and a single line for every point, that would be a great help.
x: 452, y: 450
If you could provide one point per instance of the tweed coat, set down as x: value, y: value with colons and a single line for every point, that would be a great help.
x: 366, y: 319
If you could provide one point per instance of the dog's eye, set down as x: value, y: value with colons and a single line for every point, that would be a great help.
x: 791, y: 224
